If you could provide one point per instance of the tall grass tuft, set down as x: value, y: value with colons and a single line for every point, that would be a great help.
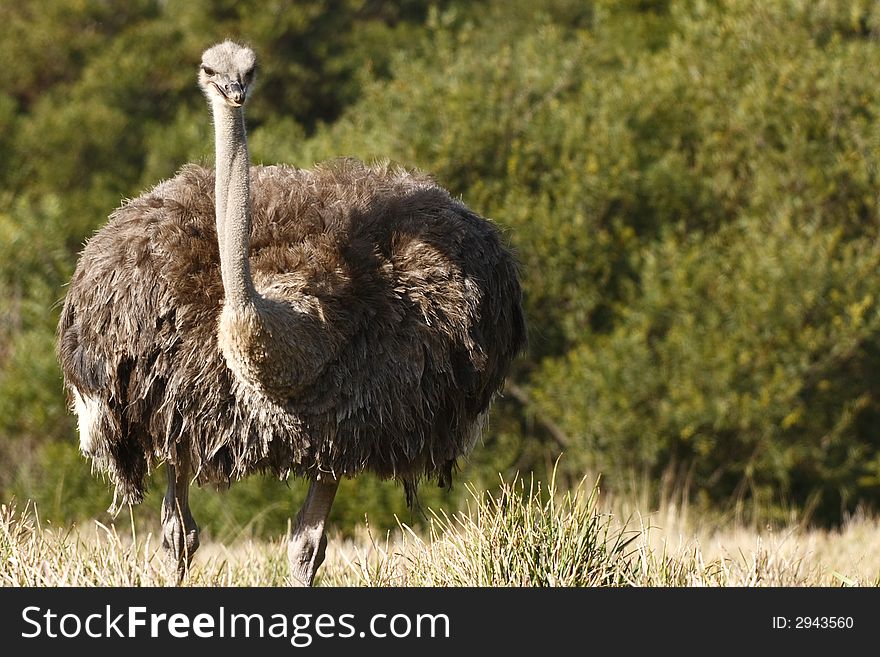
x: 527, y: 535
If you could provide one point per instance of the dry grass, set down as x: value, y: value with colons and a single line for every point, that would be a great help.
x: 531, y: 535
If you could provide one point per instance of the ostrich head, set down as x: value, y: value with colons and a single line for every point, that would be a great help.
x: 226, y: 73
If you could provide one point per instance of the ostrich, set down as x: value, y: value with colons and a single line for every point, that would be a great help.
x: 316, y: 323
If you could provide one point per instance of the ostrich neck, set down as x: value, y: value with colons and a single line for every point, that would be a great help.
x: 267, y: 343
x: 233, y: 208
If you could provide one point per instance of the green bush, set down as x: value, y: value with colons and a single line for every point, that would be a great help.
x: 745, y: 358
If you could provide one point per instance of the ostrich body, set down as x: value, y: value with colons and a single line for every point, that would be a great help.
x: 317, y: 323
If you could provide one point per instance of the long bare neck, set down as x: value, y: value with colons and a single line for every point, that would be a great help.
x: 261, y: 336
x: 233, y: 207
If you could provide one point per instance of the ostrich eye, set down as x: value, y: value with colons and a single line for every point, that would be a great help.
x: 249, y: 76
x: 208, y: 71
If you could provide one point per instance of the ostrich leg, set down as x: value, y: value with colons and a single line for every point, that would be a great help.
x: 180, y: 533
x: 308, y: 543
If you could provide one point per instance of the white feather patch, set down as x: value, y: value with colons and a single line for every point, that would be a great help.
x: 87, y: 410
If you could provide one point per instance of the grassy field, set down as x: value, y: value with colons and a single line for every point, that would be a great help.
x: 529, y: 535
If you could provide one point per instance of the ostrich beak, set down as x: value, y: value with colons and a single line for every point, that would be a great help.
x: 233, y: 92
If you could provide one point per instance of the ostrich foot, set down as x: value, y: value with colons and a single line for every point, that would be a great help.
x: 180, y: 533
x: 305, y: 551
x: 180, y: 539
x: 307, y: 545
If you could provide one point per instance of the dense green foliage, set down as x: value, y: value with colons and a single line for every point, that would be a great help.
x: 691, y: 188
